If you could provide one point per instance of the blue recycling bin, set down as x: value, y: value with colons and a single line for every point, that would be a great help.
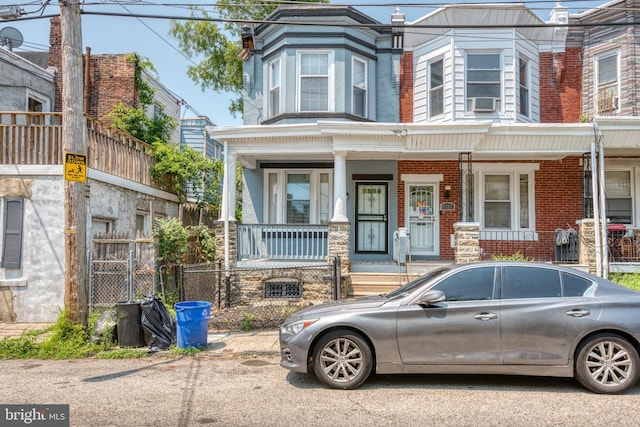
x: 192, y: 321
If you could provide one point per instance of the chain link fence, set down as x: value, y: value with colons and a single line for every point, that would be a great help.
x: 121, y: 269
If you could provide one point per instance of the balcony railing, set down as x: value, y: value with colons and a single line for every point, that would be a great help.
x: 36, y: 139
x: 282, y: 242
x: 560, y: 246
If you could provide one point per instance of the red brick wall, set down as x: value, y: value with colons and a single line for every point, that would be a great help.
x: 406, y: 88
x: 449, y: 170
x: 561, y: 86
x: 558, y: 195
x: 558, y: 189
x: 111, y: 77
x: 55, y: 59
x: 112, y: 80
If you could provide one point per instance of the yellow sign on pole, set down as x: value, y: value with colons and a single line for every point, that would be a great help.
x: 75, y: 167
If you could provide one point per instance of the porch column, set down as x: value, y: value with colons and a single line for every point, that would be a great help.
x: 467, y: 235
x: 339, y: 188
x: 228, y: 204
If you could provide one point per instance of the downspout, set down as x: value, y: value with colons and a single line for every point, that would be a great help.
x: 87, y: 65
x: 599, y: 202
x: 603, y: 202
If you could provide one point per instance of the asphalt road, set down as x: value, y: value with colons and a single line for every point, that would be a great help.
x: 190, y: 391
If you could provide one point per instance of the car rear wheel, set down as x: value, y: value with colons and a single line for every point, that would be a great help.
x: 607, y: 364
x: 342, y: 359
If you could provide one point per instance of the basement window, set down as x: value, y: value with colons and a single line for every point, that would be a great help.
x: 282, y: 288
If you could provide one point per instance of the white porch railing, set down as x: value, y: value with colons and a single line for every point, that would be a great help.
x: 282, y: 241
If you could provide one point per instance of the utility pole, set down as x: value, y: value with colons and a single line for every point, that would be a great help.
x: 73, y: 142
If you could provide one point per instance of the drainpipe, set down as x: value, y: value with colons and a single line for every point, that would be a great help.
x: 599, y: 202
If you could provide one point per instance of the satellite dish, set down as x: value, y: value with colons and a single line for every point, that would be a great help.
x: 10, y: 38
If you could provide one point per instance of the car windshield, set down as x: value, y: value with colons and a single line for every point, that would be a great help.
x: 407, y: 288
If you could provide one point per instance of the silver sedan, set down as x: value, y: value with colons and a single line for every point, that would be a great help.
x: 484, y: 318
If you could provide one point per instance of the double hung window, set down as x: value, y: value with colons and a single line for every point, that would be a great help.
x: 484, y: 86
x: 359, y: 87
x: 524, y: 86
x: 274, y: 87
x: 315, y: 81
x: 618, y: 194
x: 608, y: 82
x: 436, y: 88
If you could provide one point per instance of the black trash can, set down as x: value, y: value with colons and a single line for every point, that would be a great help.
x: 129, y: 324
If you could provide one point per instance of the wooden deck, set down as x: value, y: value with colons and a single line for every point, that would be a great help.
x: 36, y: 139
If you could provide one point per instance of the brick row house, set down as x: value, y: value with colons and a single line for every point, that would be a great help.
x: 474, y: 120
x: 121, y: 196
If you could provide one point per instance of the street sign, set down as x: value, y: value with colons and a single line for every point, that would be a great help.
x: 75, y: 167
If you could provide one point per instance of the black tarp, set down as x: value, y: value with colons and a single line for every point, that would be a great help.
x: 158, y: 325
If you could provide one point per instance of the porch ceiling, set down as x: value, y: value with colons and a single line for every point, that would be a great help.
x: 392, y: 141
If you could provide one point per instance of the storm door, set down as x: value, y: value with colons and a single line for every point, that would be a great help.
x: 422, y: 218
x: 371, y: 217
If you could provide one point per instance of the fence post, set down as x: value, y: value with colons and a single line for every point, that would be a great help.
x: 181, y: 281
x: 338, y: 278
x: 219, y: 283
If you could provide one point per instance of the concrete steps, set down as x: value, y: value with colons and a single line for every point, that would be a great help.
x: 363, y: 283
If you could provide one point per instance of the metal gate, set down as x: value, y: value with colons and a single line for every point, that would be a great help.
x: 121, y: 269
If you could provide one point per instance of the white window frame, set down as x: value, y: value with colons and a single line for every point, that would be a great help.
x: 615, y: 108
x: 364, y: 86
x: 526, y: 87
x: 514, y: 170
x: 500, y: 81
x: 632, y: 190
x: 431, y: 89
x: 330, y: 79
x: 277, y: 60
x: 280, y: 198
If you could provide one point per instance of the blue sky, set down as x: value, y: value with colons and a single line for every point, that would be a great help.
x: 150, y: 39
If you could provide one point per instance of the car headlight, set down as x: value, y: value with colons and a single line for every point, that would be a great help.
x: 295, y: 327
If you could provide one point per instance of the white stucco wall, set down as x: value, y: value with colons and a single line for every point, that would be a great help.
x: 36, y: 289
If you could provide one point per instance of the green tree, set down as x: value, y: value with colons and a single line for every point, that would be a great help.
x: 219, y: 44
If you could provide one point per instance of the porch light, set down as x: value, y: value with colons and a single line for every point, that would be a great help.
x: 447, y: 191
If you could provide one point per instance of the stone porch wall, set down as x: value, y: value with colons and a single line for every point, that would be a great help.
x: 248, y: 282
x: 467, y: 236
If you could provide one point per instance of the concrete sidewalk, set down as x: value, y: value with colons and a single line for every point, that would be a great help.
x: 223, y: 344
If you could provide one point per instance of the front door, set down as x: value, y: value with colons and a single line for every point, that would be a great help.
x: 371, y: 217
x: 422, y: 218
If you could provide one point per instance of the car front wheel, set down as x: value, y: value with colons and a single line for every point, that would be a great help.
x: 342, y: 359
x: 607, y: 364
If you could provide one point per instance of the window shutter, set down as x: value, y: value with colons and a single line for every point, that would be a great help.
x: 12, y: 236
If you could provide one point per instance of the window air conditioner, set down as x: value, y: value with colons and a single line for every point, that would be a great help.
x: 482, y: 104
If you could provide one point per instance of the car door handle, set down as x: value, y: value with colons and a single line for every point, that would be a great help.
x: 484, y: 316
x: 578, y: 313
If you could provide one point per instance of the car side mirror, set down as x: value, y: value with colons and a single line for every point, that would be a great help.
x: 431, y: 297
